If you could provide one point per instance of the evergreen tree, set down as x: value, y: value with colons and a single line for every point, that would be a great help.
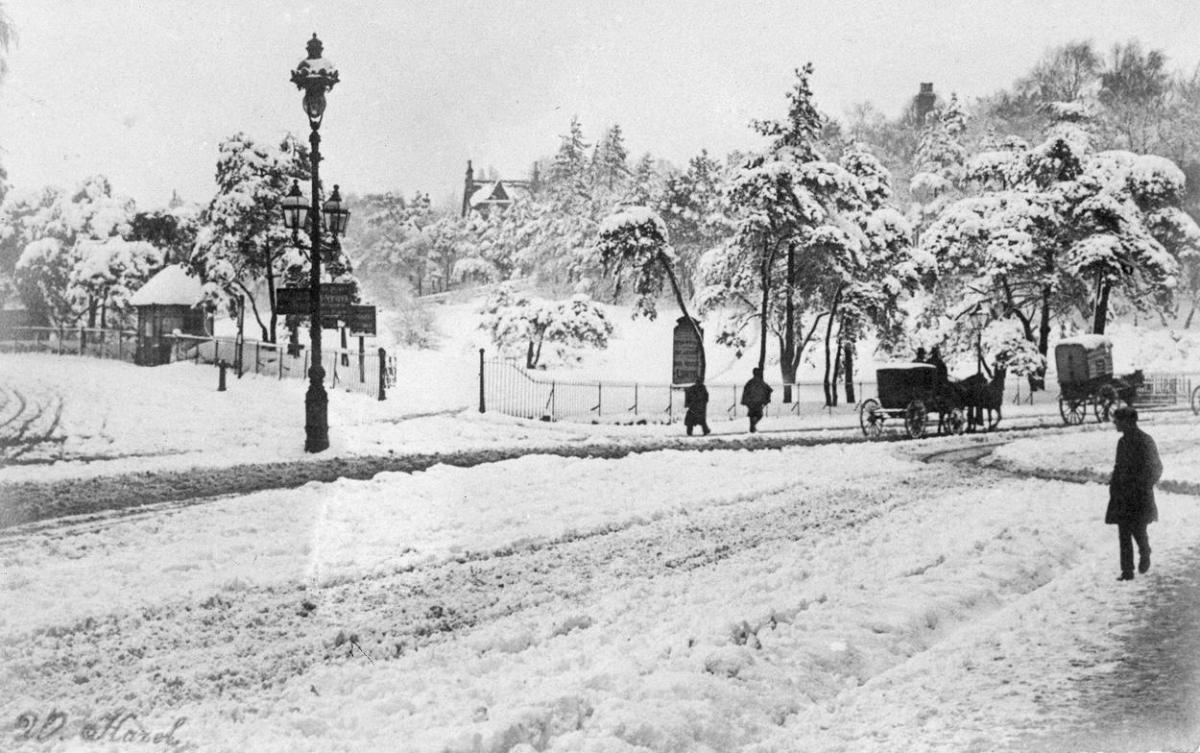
x: 691, y: 206
x: 610, y: 166
x: 568, y: 175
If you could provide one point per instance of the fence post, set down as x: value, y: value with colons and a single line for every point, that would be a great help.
x: 81, y: 340
x: 599, y: 399
x: 635, y: 398
x: 383, y: 374
x: 362, y: 359
x: 257, y: 361
x: 120, y: 341
x: 482, y: 405
x: 553, y: 397
x: 279, y: 359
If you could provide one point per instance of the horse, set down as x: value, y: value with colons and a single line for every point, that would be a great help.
x: 1127, y: 385
x: 980, y: 394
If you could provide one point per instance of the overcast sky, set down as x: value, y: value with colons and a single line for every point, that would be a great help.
x: 143, y: 90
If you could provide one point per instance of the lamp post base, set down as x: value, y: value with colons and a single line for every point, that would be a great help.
x: 316, y: 413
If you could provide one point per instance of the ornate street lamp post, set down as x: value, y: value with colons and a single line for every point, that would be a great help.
x: 314, y: 75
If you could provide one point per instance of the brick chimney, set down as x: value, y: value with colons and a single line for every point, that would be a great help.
x: 468, y: 189
x: 924, y: 102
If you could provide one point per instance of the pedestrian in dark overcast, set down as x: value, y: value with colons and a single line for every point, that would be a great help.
x: 695, y: 400
x: 755, y: 395
x: 1131, y: 506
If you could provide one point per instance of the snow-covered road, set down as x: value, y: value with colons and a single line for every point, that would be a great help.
x: 823, y: 598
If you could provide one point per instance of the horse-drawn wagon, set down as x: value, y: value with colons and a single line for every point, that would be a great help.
x: 909, y: 392
x: 1085, y: 378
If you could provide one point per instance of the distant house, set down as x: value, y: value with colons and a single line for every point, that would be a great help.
x: 486, y: 196
x: 167, y: 303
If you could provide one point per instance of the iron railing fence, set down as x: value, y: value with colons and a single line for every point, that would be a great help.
x: 507, y: 387
x: 117, y: 344
x: 371, y: 372
x: 1164, y: 390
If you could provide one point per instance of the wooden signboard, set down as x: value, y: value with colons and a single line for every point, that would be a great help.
x: 336, y: 300
x: 291, y: 301
x: 685, y: 357
x: 361, y: 320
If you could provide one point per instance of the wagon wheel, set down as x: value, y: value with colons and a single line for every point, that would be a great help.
x: 1072, y: 411
x: 956, y: 421
x: 1196, y: 401
x: 1105, y: 401
x: 915, y: 418
x: 870, y: 418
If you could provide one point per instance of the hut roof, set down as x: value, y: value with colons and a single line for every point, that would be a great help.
x: 173, y: 285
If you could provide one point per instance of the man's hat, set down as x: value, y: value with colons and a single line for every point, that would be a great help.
x: 1125, y: 413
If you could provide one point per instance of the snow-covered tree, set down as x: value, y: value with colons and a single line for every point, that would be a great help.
x: 800, y: 241
x: 49, y: 229
x: 108, y: 272
x: 610, y: 160
x: 634, y: 249
x: 1058, y: 228
x: 173, y: 230
x: 568, y: 178
x: 939, y: 162
x: 389, y: 247
x: 522, y: 325
x: 242, y: 247
x: 691, y: 205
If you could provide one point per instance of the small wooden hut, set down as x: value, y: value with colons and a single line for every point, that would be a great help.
x: 166, y: 304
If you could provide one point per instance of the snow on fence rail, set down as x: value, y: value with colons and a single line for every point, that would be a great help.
x: 372, y: 372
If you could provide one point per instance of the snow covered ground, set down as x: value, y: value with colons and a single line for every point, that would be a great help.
x: 836, y: 597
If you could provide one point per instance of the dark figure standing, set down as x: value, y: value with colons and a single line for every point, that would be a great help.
x: 695, y: 399
x: 920, y: 356
x: 755, y: 395
x: 939, y: 366
x: 1131, y: 490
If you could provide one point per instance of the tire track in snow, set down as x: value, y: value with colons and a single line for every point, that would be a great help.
x: 260, y: 637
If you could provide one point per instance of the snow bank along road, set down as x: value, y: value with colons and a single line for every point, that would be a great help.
x: 26, y: 502
x: 826, y: 598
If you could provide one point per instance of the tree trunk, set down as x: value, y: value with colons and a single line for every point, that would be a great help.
x: 837, y: 367
x: 1037, y: 380
x: 830, y: 392
x: 1188, y: 322
x: 683, y: 309
x: 848, y: 371
x: 762, y: 320
x: 788, y: 353
x: 1101, y: 317
x: 796, y: 358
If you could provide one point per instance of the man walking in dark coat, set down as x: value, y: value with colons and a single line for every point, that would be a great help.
x: 1131, y: 490
x: 755, y: 395
x: 695, y: 399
